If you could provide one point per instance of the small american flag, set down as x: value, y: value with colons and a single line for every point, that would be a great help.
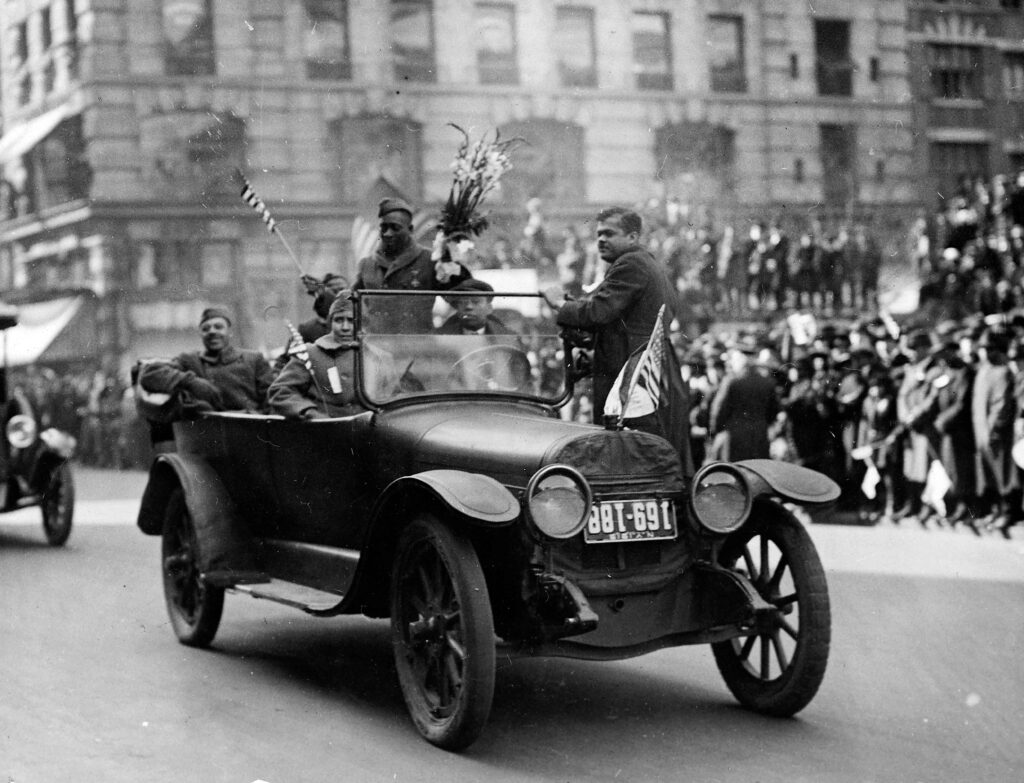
x: 637, y: 390
x: 254, y: 201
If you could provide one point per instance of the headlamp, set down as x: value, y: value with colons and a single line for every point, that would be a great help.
x: 721, y: 498
x: 558, y: 501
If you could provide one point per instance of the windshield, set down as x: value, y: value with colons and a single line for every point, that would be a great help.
x: 416, y: 343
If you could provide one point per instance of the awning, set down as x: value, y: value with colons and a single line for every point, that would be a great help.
x: 38, y: 326
x: 24, y: 136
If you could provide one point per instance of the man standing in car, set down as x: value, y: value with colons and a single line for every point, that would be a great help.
x: 400, y: 264
x: 623, y: 309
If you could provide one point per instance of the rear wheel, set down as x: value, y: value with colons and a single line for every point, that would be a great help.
x: 193, y: 606
x: 778, y: 668
x: 443, y: 633
x: 58, y: 505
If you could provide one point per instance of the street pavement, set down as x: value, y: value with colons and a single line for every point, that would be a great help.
x: 924, y: 681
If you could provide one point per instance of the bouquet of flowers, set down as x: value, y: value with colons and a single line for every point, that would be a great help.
x: 478, y: 168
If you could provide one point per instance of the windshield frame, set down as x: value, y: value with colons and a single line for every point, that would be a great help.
x: 364, y: 340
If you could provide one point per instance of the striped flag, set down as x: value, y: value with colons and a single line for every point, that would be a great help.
x: 249, y: 197
x: 649, y: 393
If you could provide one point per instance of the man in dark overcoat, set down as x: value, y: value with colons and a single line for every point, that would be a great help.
x: 993, y: 410
x: 744, y: 406
x: 951, y: 390
x: 623, y: 309
x: 399, y: 263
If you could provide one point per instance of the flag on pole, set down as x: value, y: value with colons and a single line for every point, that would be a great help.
x: 936, y: 485
x: 869, y: 486
x: 254, y: 201
x: 649, y: 393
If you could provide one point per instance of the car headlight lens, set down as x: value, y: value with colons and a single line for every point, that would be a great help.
x: 21, y: 431
x: 558, y: 501
x: 721, y: 498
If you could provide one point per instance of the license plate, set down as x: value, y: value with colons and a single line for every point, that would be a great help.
x: 630, y: 520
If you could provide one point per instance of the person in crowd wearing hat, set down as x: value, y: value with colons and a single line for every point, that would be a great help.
x: 875, y: 428
x: 219, y: 377
x: 623, y: 309
x: 744, y: 407
x: 951, y: 383
x: 320, y: 382
x: 323, y: 293
x: 993, y: 410
x: 473, y: 311
x: 912, y: 412
x: 399, y: 263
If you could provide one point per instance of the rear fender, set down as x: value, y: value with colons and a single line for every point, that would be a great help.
x: 225, y: 545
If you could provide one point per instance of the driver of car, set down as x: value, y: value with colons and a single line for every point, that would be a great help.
x: 473, y: 314
x: 319, y: 380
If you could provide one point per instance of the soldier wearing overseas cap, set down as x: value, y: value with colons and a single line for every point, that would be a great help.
x: 322, y: 382
x: 400, y: 263
x: 220, y: 377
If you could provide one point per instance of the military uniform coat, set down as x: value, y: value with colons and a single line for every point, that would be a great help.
x: 241, y: 377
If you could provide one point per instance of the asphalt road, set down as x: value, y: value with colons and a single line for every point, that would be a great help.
x: 925, y: 679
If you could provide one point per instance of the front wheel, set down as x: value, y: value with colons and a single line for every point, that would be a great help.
x: 443, y: 633
x: 779, y: 666
x: 58, y: 505
x: 193, y: 606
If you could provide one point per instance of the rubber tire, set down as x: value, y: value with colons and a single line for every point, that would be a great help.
x: 430, y: 553
x: 194, y: 607
x: 58, y: 505
x: 794, y: 685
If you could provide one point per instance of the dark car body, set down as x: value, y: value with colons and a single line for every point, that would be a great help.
x: 34, y: 462
x: 465, y: 508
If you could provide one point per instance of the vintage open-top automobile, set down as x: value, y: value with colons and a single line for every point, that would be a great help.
x: 462, y: 506
x: 34, y: 461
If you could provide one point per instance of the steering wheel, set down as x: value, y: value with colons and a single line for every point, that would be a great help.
x: 493, y: 368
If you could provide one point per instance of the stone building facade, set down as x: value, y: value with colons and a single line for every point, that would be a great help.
x: 967, y: 65
x: 125, y: 121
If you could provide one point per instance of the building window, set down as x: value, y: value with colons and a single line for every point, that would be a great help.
x: 412, y: 40
x: 832, y: 53
x: 652, y: 51
x: 798, y: 170
x: 794, y: 66
x: 327, y: 53
x: 1013, y: 75
x: 216, y: 264
x: 955, y: 71
x: 874, y: 69
x: 696, y: 161
x: 371, y: 151
x: 61, y: 160
x: 495, y: 35
x: 25, y: 90
x: 551, y: 166
x: 71, y: 39
x: 46, y: 28
x: 725, y: 54
x: 167, y: 264
x: 838, y: 146
x: 952, y: 162
x: 879, y: 171
x: 575, y: 46
x: 188, y: 38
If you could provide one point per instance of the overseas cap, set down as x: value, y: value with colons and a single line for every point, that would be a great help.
x: 393, y: 205
x: 215, y: 312
x: 344, y: 302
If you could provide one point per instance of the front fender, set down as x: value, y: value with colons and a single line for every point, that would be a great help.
x: 225, y: 545
x: 789, y: 481
x: 472, y: 495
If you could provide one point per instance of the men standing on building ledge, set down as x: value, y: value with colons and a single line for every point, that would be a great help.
x: 623, y: 309
x: 401, y: 264
x: 220, y: 377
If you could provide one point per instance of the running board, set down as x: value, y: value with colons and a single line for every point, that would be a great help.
x: 308, y: 599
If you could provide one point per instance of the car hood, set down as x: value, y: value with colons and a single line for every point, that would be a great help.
x: 511, y: 445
